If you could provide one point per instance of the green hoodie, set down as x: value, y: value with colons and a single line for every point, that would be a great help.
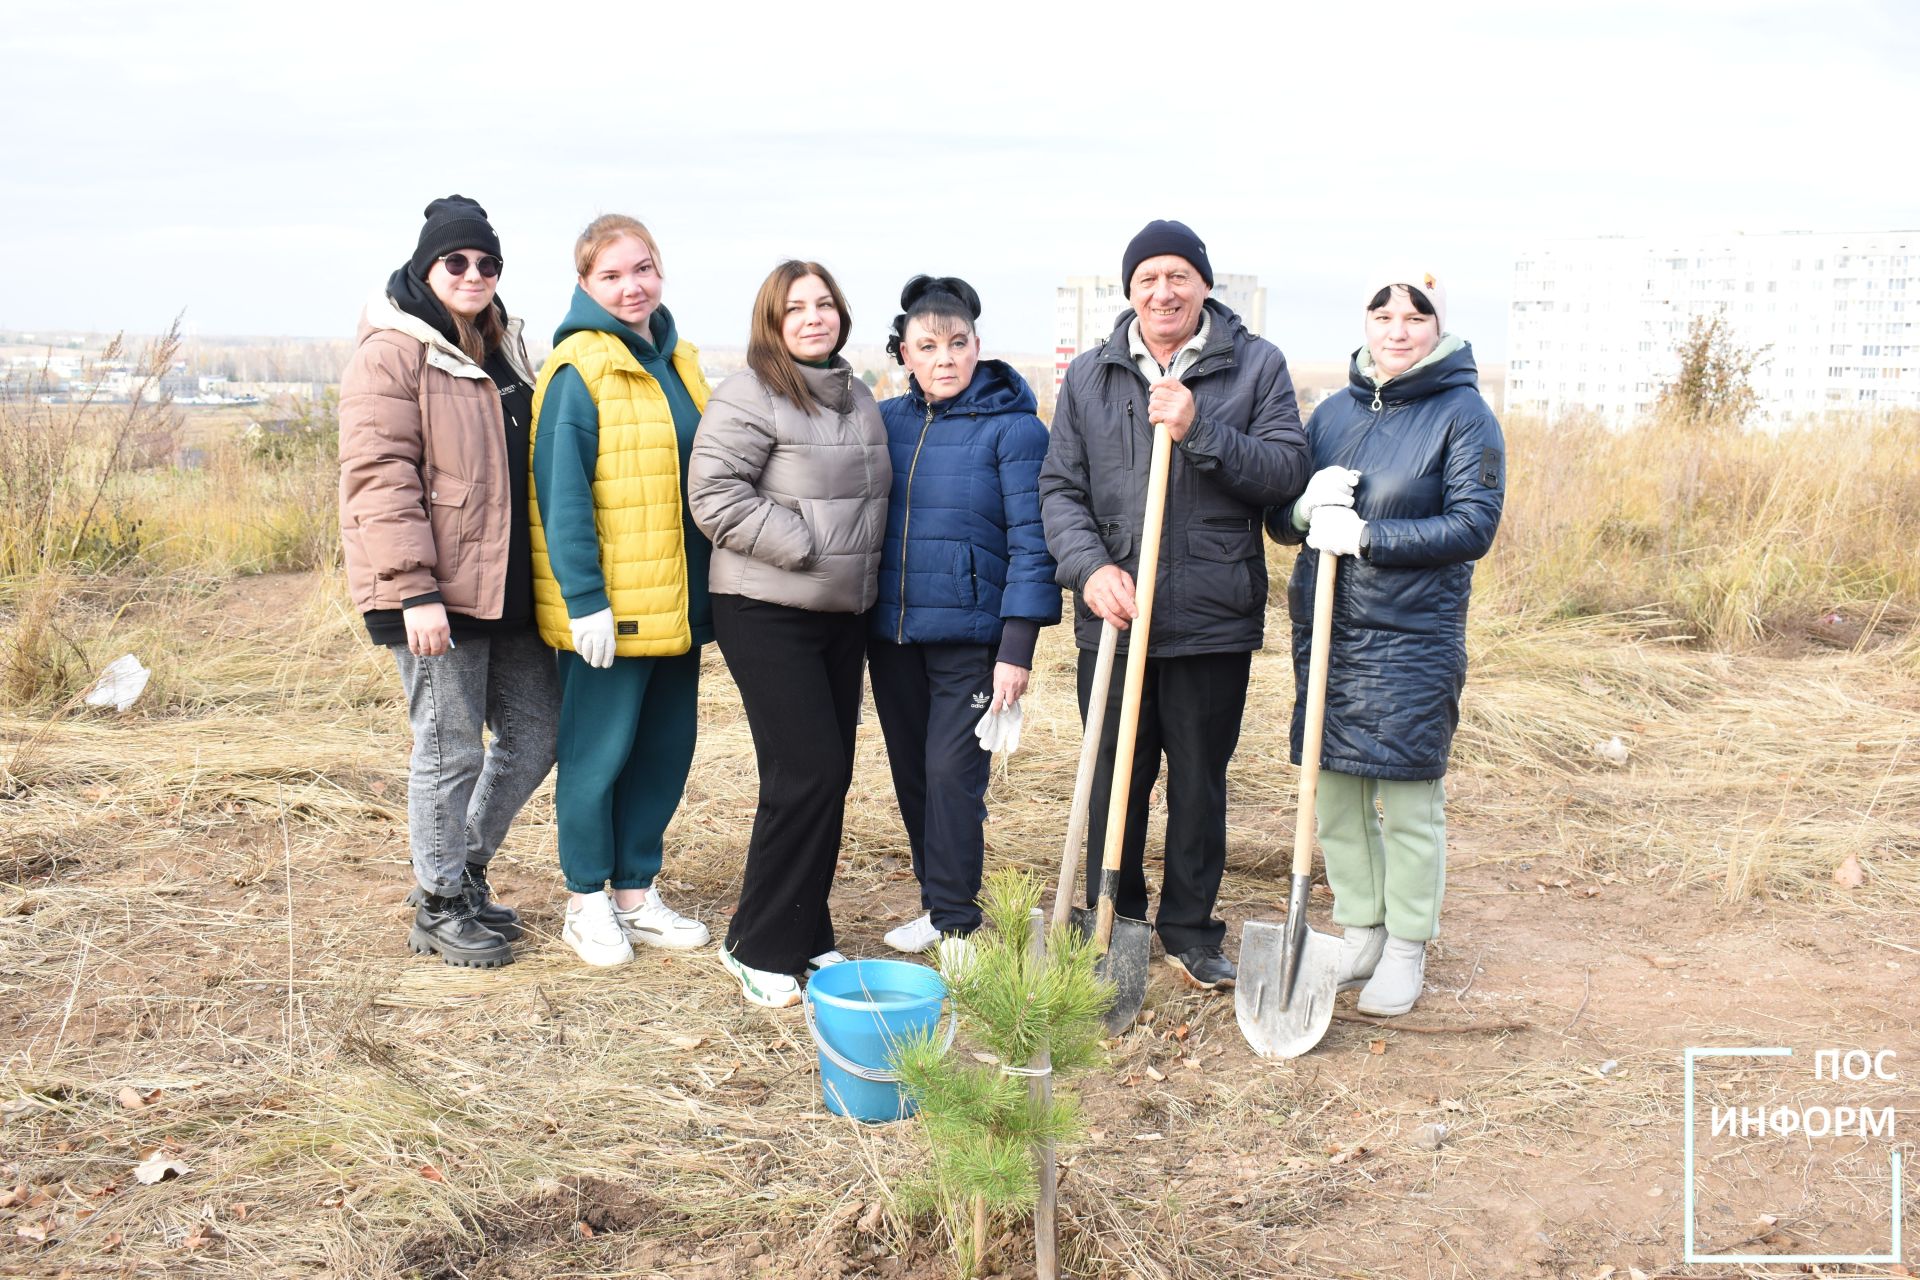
x: 567, y: 446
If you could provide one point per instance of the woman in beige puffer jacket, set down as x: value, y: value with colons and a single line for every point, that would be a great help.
x: 789, y: 478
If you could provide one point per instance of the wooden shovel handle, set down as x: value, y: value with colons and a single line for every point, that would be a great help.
x: 1083, y: 780
x: 1316, y: 712
x: 1149, y: 565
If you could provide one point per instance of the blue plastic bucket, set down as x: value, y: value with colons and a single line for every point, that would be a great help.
x: 857, y: 1011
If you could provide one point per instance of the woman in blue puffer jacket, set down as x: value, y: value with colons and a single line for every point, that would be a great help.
x: 965, y: 586
x: 1409, y: 479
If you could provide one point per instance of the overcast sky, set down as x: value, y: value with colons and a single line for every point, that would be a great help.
x: 264, y: 166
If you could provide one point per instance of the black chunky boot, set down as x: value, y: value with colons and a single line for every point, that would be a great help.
x: 449, y: 927
x: 497, y: 916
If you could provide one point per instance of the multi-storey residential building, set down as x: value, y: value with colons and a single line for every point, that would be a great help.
x: 1833, y: 318
x: 1087, y: 307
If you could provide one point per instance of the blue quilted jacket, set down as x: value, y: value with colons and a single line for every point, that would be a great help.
x: 1432, y: 466
x: 964, y: 547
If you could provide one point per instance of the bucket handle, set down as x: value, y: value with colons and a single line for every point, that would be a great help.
x: 875, y: 1075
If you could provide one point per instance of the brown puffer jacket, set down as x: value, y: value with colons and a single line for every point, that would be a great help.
x: 423, y: 468
x: 795, y: 503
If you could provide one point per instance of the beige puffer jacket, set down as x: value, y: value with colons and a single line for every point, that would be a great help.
x: 424, y: 501
x: 795, y: 503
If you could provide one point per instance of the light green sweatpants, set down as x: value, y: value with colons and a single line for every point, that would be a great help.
x: 1388, y: 865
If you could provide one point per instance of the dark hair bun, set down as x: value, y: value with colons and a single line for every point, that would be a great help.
x: 920, y: 286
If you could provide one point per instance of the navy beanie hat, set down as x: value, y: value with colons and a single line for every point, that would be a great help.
x: 1164, y: 236
x: 453, y: 222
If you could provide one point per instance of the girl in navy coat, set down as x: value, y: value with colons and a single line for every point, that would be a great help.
x: 1409, y: 482
x: 965, y: 586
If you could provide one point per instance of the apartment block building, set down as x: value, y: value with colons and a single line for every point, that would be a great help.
x: 1595, y: 325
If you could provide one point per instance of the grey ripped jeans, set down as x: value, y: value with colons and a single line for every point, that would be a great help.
x: 461, y: 796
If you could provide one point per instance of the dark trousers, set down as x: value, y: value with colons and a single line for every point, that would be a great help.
x: 930, y: 697
x: 799, y: 677
x: 1190, y: 710
x: 626, y: 744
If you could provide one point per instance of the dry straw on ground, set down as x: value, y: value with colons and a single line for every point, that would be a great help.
x: 201, y: 949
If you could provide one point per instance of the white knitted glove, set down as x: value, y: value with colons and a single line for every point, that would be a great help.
x: 1330, y: 487
x: 1000, y: 730
x: 593, y: 638
x: 1336, y: 529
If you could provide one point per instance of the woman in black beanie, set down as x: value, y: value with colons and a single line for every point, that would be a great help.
x: 435, y: 425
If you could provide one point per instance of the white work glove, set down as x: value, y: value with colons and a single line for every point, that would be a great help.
x: 1330, y: 487
x: 1336, y: 529
x: 593, y: 638
x: 1000, y: 730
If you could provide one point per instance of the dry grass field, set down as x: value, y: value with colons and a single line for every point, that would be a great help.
x: 202, y: 954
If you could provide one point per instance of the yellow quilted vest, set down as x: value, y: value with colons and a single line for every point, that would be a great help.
x: 636, y: 499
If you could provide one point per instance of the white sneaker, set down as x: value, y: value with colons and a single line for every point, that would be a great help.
x: 594, y: 934
x: 821, y: 961
x: 655, y: 924
x: 774, y: 990
x: 914, y: 936
x: 1396, y: 983
x: 1360, y: 954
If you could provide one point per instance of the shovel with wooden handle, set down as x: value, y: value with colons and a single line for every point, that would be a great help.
x: 1289, y: 972
x: 1083, y: 780
x: 1127, y: 942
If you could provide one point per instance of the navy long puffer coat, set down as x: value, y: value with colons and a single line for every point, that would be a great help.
x: 964, y: 547
x: 1432, y: 464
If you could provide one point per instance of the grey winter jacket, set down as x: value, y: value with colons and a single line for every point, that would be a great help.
x: 795, y: 503
x: 1245, y: 452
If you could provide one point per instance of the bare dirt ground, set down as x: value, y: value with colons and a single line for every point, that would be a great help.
x: 202, y: 962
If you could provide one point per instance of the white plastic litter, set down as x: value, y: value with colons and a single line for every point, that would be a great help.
x: 1000, y: 730
x: 1613, y: 750
x: 120, y: 684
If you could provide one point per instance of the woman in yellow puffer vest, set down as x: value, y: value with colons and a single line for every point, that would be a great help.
x: 620, y: 587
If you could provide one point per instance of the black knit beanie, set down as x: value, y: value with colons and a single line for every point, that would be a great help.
x: 453, y: 222
x: 1163, y: 236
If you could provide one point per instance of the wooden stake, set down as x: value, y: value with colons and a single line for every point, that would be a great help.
x: 979, y: 1232
x: 1046, y: 1247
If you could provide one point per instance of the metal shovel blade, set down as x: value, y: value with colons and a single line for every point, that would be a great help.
x: 1277, y: 1027
x: 1124, y: 965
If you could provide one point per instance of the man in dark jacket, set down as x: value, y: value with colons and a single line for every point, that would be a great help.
x: 1181, y: 359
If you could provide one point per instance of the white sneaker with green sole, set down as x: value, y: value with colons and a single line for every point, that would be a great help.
x: 770, y: 990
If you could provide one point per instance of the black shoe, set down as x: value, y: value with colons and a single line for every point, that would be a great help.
x: 1204, y: 967
x: 448, y: 927
x: 497, y: 916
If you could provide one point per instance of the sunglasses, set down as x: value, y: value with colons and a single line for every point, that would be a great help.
x: 457, y: 264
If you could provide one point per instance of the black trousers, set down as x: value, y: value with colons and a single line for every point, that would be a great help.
x: 1190, y: 711
x: 799, y: 677
x: 930, y: 697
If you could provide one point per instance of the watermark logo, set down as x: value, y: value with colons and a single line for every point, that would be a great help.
x: 1859, y: 1118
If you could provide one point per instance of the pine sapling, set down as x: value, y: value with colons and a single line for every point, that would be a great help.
x: 982, y: 1124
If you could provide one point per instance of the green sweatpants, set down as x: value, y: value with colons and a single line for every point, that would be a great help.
x: 1388, y: 865
x: 626, y: 744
